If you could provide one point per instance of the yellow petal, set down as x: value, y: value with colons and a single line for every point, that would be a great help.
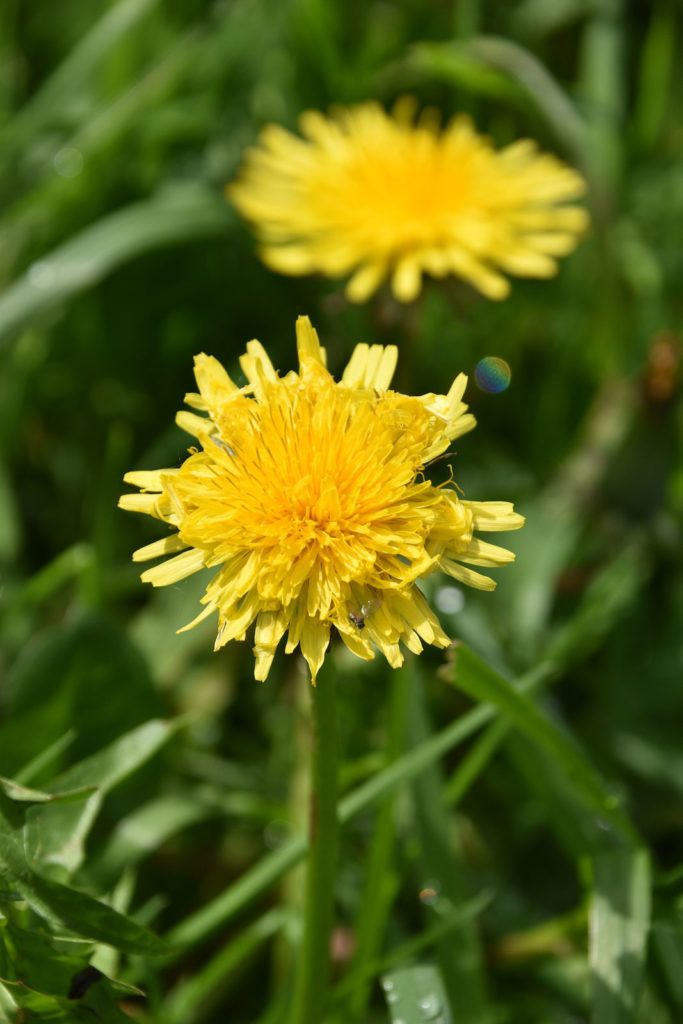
x: 420, y: 617
x: 357, y: 644
x: 213, y: 380
x: 147, y: 480
x: 165, y: 546
x: 383, y: 369
x: 193, y: 424
x: 256, y: 365
x: 525, y: 262
x: 494, y: 515
x: 490, y: 283
x: 371, y: 366
x: 391, y: 651
x: 315, y: 637
x: 480, y: 552
x: 355, y: 368
x: 407, y: 278
x: 270, y: 628
x: 288, y: 259
x: 365, y: 281
x: 308, y: 343
x: 455, y: 393
x: 204, y: 614
x: 465, y: 575
x: 175, y: 569
x: 146, y: 503
x: 263, y: 659
x: 236, y: 620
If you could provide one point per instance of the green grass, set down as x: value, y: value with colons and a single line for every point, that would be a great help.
x: 532, y: 777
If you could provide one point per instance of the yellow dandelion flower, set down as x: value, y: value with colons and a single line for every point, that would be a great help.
x: 309, y: 497
x: 377, y: 196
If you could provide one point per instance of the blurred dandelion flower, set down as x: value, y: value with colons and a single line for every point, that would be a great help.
x: 377, y: 196
x: 309, y: 497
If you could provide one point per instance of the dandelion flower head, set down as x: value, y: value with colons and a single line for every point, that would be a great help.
x: 309, y: 498
x: 379, y: 196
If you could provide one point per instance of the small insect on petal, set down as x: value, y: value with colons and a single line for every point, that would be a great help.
x: 220, y: 443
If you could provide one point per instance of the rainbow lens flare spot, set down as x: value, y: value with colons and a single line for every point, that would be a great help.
x: 493, y: 374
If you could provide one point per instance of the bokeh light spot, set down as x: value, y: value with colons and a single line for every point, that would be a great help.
x: 429, y: 895
x: 493, y: 374
x: 68, y: 162
x: 449, y: 600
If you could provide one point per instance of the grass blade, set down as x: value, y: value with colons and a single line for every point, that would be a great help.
x: 619, y: 923
x: 460, y: 954
x: 193, y: 999
x: 416, y: 994
x: 67, y: 82
x: 482, y: 683
x: 175, y: 216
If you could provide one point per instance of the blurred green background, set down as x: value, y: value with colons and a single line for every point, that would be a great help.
x: 120, y: 124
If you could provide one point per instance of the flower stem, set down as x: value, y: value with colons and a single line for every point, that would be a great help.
x: 314, y: 966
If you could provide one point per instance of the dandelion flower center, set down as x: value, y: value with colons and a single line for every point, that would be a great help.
x: 414, y: 196
x: 309, y: 497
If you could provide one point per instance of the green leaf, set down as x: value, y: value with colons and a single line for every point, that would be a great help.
x: 8, y: 1007
x: 98, y: 1004
x: 15, y: 791
x: 178, y: 215
x: 89, y: 917
x: 33, y: 959
x: 83, y: 914
x: 41, y: 761
x: 91, y: 656
x: 602, y: 86
x: 415, y: 995
x: 56, y: 834
x: 619, y: 924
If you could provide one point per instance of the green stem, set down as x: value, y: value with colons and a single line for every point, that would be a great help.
x: 293, y: 888
x: 314, y: 966
x: 380, y: 880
